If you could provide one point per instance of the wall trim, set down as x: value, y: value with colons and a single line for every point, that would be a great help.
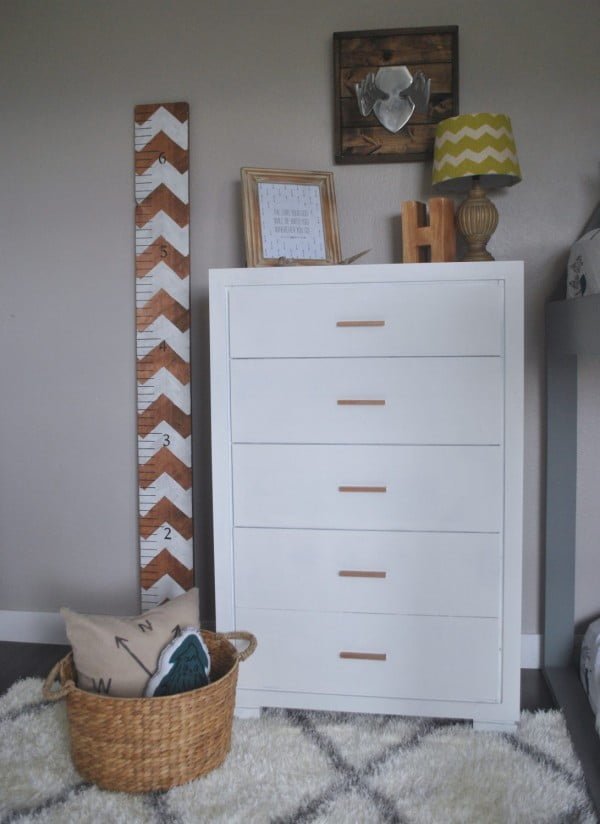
x: 48, y: 628
x: 35, y: 627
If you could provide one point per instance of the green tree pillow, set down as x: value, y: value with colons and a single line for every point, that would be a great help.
x: 183, y: 665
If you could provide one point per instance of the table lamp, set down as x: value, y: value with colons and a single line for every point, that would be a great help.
x: 475, y: 152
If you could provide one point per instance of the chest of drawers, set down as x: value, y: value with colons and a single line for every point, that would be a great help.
x: 367, y: 442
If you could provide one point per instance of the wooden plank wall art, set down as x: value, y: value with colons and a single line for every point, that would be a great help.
x: 162, y: 268
x: 391, y: 89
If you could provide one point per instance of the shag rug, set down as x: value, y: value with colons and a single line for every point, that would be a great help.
x: 299, y: 767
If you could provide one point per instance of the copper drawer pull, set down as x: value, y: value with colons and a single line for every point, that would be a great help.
x: 362, y: 488
x: 357, y: 402
x: 361, y: 573
x: 353, y: 323
x: 365, y: 656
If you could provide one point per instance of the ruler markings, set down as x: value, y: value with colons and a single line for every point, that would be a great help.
x: 163, y: 351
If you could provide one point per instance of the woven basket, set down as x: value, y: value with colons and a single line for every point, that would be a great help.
x: 143, y: 744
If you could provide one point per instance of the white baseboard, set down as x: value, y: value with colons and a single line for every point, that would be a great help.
x: 48, y: 628
x: 35, y: 627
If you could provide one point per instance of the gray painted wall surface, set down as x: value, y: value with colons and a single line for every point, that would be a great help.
x: 258, y: 77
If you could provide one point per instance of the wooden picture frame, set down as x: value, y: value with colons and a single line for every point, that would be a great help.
x: 289, y: 217
x: 362, y: 139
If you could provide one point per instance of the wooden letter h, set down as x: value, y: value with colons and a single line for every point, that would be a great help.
x: 434, y: 241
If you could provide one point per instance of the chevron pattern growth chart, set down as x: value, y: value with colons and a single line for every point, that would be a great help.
x: 162, y: 268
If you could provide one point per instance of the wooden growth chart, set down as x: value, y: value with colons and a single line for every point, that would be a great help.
x: 162, y: 269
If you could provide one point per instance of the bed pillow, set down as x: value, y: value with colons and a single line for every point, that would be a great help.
x: 589, y: 667
x: 117, y: 656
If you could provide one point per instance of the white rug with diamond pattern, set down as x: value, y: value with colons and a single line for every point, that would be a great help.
x: 295, y: 768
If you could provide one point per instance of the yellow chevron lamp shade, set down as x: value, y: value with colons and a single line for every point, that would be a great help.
x: 475, y: 144
x: 475, y: 152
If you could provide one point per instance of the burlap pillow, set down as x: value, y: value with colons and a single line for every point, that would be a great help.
x: 116, y: 656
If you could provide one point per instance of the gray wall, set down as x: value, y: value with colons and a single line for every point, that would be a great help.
x: 258, y: 77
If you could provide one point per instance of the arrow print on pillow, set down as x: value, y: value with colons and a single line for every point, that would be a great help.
x: 122, y: 642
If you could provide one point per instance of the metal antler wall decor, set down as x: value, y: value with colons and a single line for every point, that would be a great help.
x: 393, y: 95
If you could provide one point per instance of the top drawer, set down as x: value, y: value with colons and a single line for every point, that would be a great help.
x: 382, y: 319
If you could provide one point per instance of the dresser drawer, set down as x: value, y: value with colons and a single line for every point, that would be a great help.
x: 419, y: 573
x: 425, y: 488
x: 414, y: 657
x: 374, y: 400
x: 435, y: 318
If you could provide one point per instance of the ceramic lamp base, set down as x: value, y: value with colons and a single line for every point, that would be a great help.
x: 477, y: 219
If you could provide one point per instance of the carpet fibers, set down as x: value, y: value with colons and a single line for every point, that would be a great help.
x: 300, y: 767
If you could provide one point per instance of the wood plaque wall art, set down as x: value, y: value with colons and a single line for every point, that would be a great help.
x: 162, y: 293
x: 428, y: 52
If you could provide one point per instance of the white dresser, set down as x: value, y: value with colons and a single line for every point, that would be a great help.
x: 367, y: 438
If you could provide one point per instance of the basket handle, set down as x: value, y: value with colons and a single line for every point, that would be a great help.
x: 56, y: 695
x: 240, y: 635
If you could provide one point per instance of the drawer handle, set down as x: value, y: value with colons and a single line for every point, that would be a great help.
x: 364, y: 656
x: 353, y: 323
x: 359, y: 402
x: 362, y: 488
x: 361, y: 573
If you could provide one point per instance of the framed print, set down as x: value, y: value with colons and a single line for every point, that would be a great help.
x: 289, y: 217
x: 391, y: 88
